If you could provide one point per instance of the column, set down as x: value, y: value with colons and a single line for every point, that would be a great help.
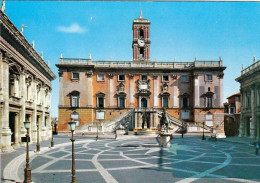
x: 151, y: 120
x: 5, y: 131
x: 34, y: 114
x: 111, y: 90
x: 140, y: 120
x: 253, y: 116
x: 43, y: 135
x: 242, y: 125
x: 155, y: 91
x: 196, y: 90
x: 136, y: 120
x: 49, y: 110
x: 131, y: 90
x: 22, y: 130
x: 16, y: 130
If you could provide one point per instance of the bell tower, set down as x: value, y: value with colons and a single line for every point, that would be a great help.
x: 141, y: 39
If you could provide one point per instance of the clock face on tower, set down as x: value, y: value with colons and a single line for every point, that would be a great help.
x: 141, y: 42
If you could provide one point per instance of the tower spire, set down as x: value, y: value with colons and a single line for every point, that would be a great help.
x: 141, y: 14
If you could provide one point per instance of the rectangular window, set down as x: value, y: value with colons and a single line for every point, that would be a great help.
x: 185, y: 102
x: 185, y: 78
x: 75, y: 75
x: 185, y: 114
x: 122, y: 102
x: 209, y: 77
x: 209, y: 101
x: 144, y: 77
x: 209, y: 123
x: 100, y: 114
x: 165, y: 101
x: 74, y: 101
x: 121, y: 77
x: 100, y: 102
x: 100, y: 77
x: 165, y: 78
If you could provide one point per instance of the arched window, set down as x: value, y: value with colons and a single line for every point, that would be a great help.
x: 141, y: 33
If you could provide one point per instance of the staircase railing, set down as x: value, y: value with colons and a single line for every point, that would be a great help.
x: 120, y: 120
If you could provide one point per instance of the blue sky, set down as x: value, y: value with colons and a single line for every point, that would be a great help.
x: 180, y: 30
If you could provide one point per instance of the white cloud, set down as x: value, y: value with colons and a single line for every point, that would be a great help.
x: 73, y: 28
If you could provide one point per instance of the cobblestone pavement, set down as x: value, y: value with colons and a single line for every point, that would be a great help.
x: 141, y: 160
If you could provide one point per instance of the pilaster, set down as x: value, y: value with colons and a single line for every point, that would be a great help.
x: 5, y: 131
x: 196, y: 90
x: 220, y: 76
x: 111, y: 90
x: 89, y: 75
x: 155, y: 91
x: 61, y: 96
x: 131, y: 90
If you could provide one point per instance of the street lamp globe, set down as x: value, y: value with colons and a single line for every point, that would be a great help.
x: 72, y: 125
x: 27, y: 124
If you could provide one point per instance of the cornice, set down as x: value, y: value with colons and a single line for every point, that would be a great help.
x: 23, y: 43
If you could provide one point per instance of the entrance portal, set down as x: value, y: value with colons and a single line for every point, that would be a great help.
x: 146, y: 120
x: 12, y: 125
x: 144, y: 103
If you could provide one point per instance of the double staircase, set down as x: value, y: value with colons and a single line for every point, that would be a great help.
x: 125, y: 122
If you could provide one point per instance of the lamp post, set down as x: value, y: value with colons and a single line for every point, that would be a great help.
x: 97, y: 132
x: 203, y: 136
x: 72, y: 126
x: 38, y: 147
x: 27, y: 170
x: 52, y: 142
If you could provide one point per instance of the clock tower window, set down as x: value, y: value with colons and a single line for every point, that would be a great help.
x: 141, y: 53
x: 141, y: 35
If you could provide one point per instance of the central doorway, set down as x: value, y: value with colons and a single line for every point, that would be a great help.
x: 144, y: 103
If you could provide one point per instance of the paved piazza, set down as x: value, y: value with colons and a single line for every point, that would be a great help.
x: 141, y: 160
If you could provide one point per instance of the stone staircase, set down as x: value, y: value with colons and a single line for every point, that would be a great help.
x: 120, y: 122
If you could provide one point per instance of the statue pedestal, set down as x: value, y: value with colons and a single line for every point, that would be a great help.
x: 165, y: 139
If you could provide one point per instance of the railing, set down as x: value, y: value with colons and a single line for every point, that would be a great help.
x: 208, y: 63
x: 74, y: 60
x: 141, y: 64
x: 251, y: 67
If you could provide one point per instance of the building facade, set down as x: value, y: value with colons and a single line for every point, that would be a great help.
x: 107, y: 91
x: 25, y: 88
x: 250, y: 101
x: 232, y: 115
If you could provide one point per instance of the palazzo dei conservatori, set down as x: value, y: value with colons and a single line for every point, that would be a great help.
x: 25, y: 88
x: 130, y: 96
